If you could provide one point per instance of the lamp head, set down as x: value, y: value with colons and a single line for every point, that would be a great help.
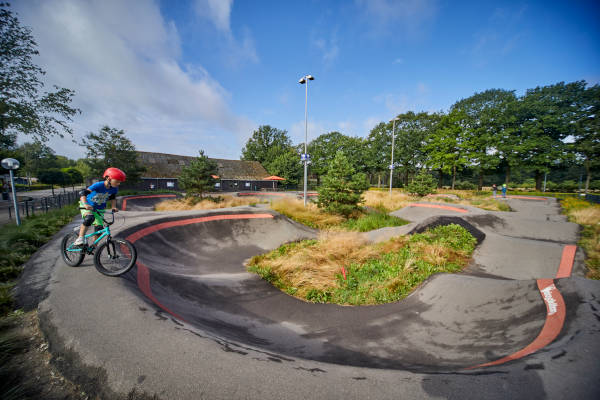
x: 306, y: 78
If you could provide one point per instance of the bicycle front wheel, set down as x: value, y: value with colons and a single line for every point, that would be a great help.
x: 72, y: 255
x: 115, y: 257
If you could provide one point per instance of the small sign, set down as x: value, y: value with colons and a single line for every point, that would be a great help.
x: 170, y: 184
x: 392, y: 166
x: 304, y: 157
x: 10, y: 163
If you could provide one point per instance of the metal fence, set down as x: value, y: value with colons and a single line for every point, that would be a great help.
x: 31, y: 206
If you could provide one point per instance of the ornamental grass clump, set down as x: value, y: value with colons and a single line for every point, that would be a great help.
x: 343, y: 268
x: 206, y: 203
x: 588, y: 216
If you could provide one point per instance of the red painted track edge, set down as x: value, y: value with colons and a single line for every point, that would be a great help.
x: 555, y: 311
x: 143, y: 272
x: 457, y: 209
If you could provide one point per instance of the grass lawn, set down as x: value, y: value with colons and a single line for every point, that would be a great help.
x: 18, y: 243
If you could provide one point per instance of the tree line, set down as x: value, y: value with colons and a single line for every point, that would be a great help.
x: 547, y: 128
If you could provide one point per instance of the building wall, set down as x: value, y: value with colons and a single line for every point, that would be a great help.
x: 224, y: 185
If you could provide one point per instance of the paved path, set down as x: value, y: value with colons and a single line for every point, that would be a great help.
x: 190, y: 323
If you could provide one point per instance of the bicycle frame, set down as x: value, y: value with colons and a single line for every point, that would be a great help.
x: 102, y: 233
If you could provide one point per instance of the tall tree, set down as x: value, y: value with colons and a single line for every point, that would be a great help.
x: 265, y: 145
x: 52, y: 176
x: 24, y: 107
x: 36, y: 157
x: 84, y: 168
x: 110, y: 148
x: 446, y: 147
x: 72, y: 176
x: 378, y: 150
x: 485, y: 121
x: 321, y: 149
x: 412, y: 131
x: 197, y: 178
x: 548, y: 116
x: 587, y: 132
x: 287, y: 165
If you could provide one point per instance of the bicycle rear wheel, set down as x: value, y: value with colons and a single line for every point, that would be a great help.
x: 115, y: 257
x: 71, y: 254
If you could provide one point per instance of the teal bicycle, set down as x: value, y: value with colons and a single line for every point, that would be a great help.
x: 112, y: 257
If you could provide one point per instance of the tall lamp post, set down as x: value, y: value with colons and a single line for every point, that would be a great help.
x: 305, y: 157
x: 12, y: 164
x: 392, y: 162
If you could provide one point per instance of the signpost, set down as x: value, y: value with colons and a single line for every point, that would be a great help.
x: 12, y: 164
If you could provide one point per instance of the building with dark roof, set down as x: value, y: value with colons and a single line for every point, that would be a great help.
x: 162, y: 171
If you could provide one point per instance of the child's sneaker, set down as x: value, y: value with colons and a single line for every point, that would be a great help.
x: 79, y: 242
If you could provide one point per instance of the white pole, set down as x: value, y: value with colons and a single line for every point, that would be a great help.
x: 392, y: 162
x: 545, y: 176
x: 305, y: 139
x: 14, y: 190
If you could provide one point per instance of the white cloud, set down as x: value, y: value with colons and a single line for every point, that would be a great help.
x: 328, y: 48
x: 399, y: 61
x: 218, y: 13
x: 123, y: 61
x: 297, y: 131
x: 370, y: 123
x: 347, y: 128
x: 407, y: 15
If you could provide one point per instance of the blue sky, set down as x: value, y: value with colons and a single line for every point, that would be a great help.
x: 180, y: 76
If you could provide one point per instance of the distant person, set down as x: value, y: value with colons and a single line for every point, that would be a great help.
x: 504, y: 190
x: 94, y: 198
x: 494, y: 189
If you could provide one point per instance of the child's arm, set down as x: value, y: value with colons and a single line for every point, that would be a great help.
x: 83, y: 198
x: 114, y: 205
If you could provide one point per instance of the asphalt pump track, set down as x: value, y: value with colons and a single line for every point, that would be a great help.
x: 521, y: 298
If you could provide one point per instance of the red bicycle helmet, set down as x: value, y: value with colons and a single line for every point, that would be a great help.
x: 115, y: 173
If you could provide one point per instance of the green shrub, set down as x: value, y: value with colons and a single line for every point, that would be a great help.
x: 372, y: 221
x: 422, y: 184
x: 464, y: 185
x: 550, y: 186
x: 18, y: 243
x: 568, y: 186
x: 342, y: 188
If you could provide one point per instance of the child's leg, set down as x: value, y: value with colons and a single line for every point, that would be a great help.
x: 82, y: 230
x: 88, y: 219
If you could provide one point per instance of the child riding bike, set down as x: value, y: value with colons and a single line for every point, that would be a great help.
x: 94, y: 199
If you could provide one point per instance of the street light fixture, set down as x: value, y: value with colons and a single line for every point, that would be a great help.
x: 12, y: 164
x: 305, y: 157
x: 392, y: 162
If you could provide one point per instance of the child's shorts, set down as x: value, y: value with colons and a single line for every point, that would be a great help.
x: 98, y: 218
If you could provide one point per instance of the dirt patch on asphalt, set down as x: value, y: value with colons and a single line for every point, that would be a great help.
x: 30, y: 370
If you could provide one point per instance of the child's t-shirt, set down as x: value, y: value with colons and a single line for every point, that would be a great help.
x: 99, y: 194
